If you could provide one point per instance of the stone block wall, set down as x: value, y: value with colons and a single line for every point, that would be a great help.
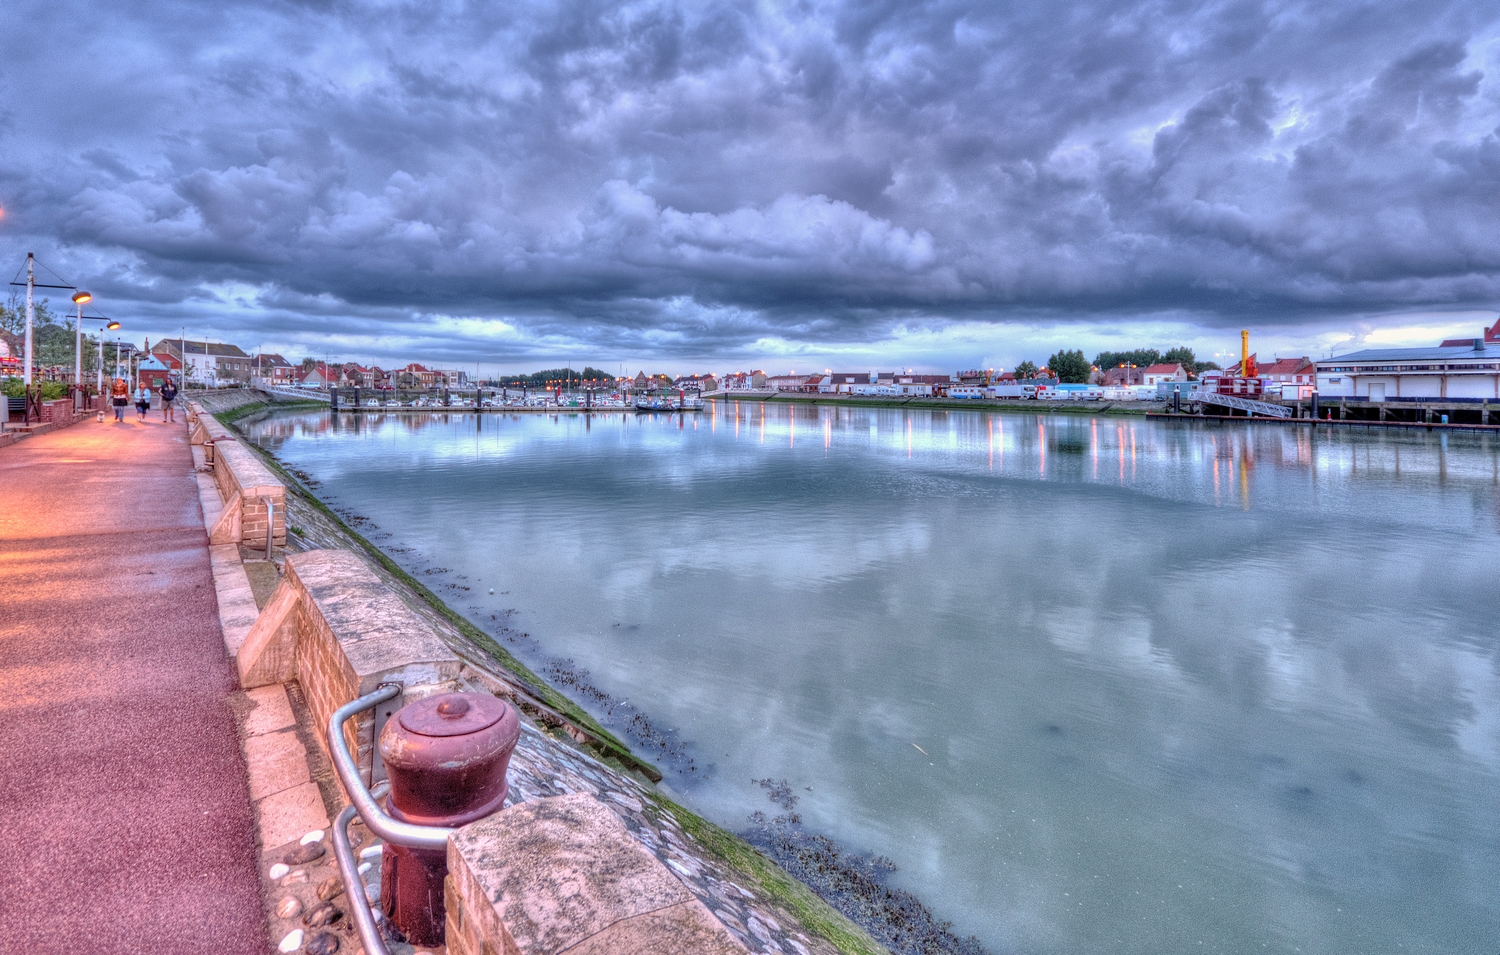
x: 341, y: 632
x: 237, y: 471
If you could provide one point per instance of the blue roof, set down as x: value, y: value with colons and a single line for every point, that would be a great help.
x: 1452, y: 353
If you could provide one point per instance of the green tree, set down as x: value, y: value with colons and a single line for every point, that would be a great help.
x: 1070, y: 367
x: 1181, y: 355
x: 13, y: 314
x: 1139, y: 357
x: 54, y: 345
x: 1026, y: 369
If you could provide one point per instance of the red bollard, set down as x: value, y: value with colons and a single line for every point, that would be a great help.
x: 446, y: 757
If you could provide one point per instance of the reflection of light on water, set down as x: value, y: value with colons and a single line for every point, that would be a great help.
x: 1094, y: 444
x: 1041, y: 448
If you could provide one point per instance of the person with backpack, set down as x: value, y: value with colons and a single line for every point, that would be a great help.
x: 168, y: 395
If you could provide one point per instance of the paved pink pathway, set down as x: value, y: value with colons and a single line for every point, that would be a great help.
x: 125, y: 821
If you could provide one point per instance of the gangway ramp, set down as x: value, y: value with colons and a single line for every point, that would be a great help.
x: 1263, y: 408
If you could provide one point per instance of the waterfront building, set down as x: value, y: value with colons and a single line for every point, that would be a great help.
x: 211, y: 364
x: 795, y: 384
x: 318, y: 375
x: 274, y: 369
x: 696, y: 383
x: 414, y: 375
x: 1122, y: 377
x: 740, y: 381
x: 839, y: 383
x: 1156, y: 374
x: 1290, y: 371
x: 152, y: 372
x: 1470, y: 371
x: 355, y: 375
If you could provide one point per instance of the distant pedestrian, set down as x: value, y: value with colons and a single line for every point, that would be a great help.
x: 142, y: 402
x: 119, y: 396
x: 168, y: 395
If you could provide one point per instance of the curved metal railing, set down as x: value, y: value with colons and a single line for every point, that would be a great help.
x: 364, y: 802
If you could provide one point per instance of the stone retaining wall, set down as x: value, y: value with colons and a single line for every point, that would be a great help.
x: 333, y: 626
x: 244, y: 485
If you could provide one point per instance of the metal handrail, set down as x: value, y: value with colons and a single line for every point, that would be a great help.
x: 363, y: 802
x: 391, y: 830
x: 270, y: 527
x: 354, y: 886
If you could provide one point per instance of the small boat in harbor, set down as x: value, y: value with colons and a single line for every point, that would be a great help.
x: 668, y: 404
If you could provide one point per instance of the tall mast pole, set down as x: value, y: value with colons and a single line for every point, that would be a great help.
x: 30, y: 314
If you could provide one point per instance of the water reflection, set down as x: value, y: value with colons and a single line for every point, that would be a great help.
x: 1178, y: 687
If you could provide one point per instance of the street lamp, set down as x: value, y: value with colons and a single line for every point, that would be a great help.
x: 80, y: 298
x: 110, y: 324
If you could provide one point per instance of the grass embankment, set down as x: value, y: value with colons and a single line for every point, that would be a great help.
x: 1017, y: 406
x: 764, y: 875
x: 759, y: 872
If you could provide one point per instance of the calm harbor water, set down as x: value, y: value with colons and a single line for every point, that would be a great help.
x: 1095, y: 685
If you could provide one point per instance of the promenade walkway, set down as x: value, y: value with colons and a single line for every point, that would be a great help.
x: 125, y: 821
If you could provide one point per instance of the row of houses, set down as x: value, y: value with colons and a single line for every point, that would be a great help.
x: 354, y: 375
x: 1457, y: 369
x: 217, y: 365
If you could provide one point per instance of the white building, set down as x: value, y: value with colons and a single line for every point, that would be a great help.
x: 794, y: 383
x: 1470, y: 371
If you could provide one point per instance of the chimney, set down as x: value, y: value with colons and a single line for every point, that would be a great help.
x: 1479, y: 344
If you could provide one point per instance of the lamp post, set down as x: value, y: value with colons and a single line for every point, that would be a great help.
x: 110, y: 324
x: 80, y: 298
x: 30, y: 317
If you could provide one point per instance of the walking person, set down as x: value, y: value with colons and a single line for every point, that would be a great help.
x: 168, y: 395
x: 119, y: 397
x: 142, y: 402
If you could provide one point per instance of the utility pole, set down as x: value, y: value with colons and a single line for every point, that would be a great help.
x: 30, y: 314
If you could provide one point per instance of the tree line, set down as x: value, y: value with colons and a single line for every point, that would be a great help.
x: 541, y: 379
x: 1071, y: 367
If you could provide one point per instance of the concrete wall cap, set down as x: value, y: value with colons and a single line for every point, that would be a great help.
x: 564, y: 871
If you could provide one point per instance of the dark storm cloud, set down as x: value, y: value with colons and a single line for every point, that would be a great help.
x: 684, y: 178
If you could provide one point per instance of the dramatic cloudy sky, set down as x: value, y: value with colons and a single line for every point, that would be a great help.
x: 719, y: 183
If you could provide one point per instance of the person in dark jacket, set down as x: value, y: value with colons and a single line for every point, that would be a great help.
x: 168, y: 395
